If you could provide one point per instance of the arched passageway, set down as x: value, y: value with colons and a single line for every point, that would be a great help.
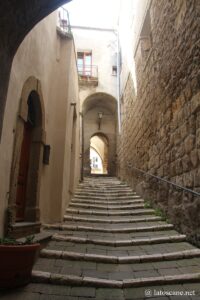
x: 99, y: 146
x: 17, y: 18
x: 99, y: 132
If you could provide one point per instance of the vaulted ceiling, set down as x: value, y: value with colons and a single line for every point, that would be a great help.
x: 101, y: 100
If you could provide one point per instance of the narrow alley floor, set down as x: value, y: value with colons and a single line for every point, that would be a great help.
x: 112, y: 246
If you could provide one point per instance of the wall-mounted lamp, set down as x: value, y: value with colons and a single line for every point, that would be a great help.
x: 100, y: 116
x: 46, y: 154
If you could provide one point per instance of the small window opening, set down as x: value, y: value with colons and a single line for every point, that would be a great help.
x: 114, y: 70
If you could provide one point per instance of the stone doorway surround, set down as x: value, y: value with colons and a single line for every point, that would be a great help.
x: 31, y: 222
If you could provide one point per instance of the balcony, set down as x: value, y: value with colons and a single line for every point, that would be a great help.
x: 63, y: 25
x: 88, y: 75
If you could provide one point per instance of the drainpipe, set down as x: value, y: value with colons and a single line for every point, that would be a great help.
x: 82, y: 146
x: 118, y: 81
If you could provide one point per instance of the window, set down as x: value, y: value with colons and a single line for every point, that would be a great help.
x: 114, y: 70
x: 63, y: 21
x: 84, y: 61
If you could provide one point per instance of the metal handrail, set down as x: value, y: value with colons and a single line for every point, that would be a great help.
x: 64, y: 21
x: 88, y: 70
x: 164, y: 180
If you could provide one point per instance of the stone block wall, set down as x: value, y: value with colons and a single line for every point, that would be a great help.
x: 161, y: 123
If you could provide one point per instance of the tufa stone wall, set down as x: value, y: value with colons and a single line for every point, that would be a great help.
x: 161, y: 124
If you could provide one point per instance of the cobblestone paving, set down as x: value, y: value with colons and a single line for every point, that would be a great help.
x: 109, y: 247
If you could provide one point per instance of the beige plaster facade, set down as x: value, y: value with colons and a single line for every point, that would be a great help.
x: 45, y: 64
x: 103, y: 46
x: 100, y: 95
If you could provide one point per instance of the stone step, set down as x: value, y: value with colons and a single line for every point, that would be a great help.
x: 112, y: 221
x: 102, y: 180
x: 42, y: 237
x: 109, y: 230
x: 125, y: 251
x: 110, y: 183
x: 72, y: 280
x: 106, y: 207
x: 71, y: 255
x: 109, y: 202
x: 103, y: 193
x: 115, y: 236
x: 111, y: 240
x: 120, y: 243
x: 110, y: 213
x: 117, y: 197
x: 105, y: 188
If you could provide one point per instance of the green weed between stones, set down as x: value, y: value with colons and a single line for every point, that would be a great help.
x: 160, y: 213
x: 147, y: 204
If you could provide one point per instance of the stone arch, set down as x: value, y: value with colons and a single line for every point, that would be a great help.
x: 17, y: 18
x: 31, y: 109
x: 102, y: 149
x: 99, y: 98
x: 94, y: 105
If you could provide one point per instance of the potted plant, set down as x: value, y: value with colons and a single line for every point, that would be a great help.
x: 16, y: 261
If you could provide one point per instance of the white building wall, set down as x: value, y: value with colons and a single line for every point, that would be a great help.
x: 103, y: 45
x: 131, y: 18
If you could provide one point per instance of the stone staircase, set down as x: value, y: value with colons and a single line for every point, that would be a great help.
x: 110, y: 246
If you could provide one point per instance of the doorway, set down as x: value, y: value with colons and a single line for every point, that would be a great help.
x: 23, y: 213
x: 73, y: 152
x: 99, y: 154
x: 29, y: 159
x: 23, y: 172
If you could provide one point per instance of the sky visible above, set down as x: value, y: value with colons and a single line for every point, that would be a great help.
x: 94, y: 13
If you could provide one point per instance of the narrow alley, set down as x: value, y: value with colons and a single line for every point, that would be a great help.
x: 100, y: 150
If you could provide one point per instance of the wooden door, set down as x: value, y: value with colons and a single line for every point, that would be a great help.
x: 23, y: 173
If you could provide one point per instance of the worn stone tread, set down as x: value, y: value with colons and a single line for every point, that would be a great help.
x: 112, y: 221
x: 110, y: 213
x: 108, y: 202
x: 119, y: 243
x: 111, y: 197
x: 117, y: 259
x: 47, y: 277
x: 112, y: 230
x: 107, y: 207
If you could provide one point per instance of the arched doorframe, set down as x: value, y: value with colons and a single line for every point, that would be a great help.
x: 107, y: 104
x: 105, y: 139
x: 32, y: 86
